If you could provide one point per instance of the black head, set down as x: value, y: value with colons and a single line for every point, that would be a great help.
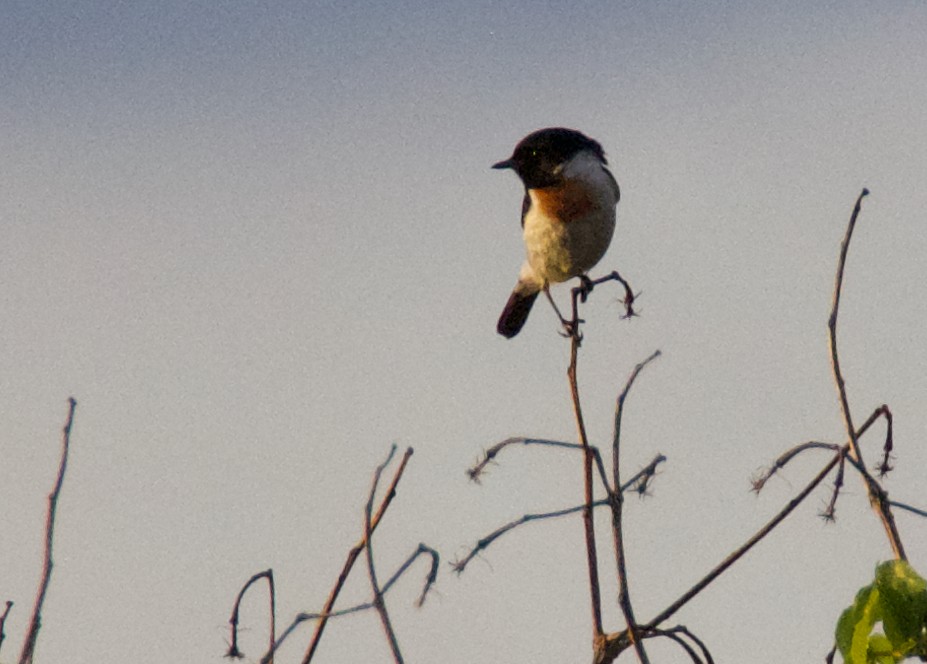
x: 538, y: 155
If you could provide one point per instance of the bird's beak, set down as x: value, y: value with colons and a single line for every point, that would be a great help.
x: 508, y: 163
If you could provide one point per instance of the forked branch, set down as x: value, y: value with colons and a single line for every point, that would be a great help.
x: 638, y: 483
x: 352, y: 557
x: 878, y: 498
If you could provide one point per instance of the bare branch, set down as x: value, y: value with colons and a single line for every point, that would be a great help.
x: 673, y: 635
x: 617, y: 500
x: 352, y: 558
x: 378, y: 601
x: 365, y: 606
x: 640, y: 479
x: 832, y: 326
x: 676, y: 633
x: 759, y: 481
x: 830, y: 511
x: 903, y: 506
x: 460, y: 565
x: 588, y: 524
x: 477, y: 471
x: 429, y: 580
x: 877, y: 496
x: 6, y: 612
x: 617, y: 642
x: 233, y: 650
x: 36, y: 622
x: 885, y: 466
x: 619, y: 411
x: 680, y: 629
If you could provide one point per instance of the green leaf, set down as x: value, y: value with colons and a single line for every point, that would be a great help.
x: 844, y: 632
x: 880, y: 650
x: 903, y: 596
x: 855, y: 625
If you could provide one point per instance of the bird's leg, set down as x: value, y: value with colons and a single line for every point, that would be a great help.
x: 628, y: 301
x: 579, y: 294
x: 571, y: 327
x: 628, y: 293
x: 585, y: 287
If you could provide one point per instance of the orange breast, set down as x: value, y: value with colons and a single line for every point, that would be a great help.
x: 566, y: 202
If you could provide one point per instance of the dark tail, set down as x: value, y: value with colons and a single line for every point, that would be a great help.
x: 516, y: 311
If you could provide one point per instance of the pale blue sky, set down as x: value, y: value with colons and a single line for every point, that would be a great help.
x: 260, y: 242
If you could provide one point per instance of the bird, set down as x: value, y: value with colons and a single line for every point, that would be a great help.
x: 567, y: 214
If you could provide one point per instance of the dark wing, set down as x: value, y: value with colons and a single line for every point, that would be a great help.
x: 525, y: 206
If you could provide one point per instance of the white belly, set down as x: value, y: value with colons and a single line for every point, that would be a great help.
x: 558, y: 252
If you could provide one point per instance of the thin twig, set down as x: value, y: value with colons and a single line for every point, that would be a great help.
x: 619, y: 412
x: 673, y: 636
x: 36, y: 621
x: 365, y: 606
x: 830, y: 511
x: 477, y: 471
x: 588, y: 524
x: 378, y: 602
x: 617, y: 502
x: 759, y: 481
x: 484, y: 543
x: 642, y: 477
x: 681, y: 629
x: 615, y: 643
x: 909, y: 508
x: 352, y: 558
x: 233, y: 650
x: 885, y: 466
x: 6, y: 612
x: 877, y: 496
x: 746, y: 546
x: 832, y: 327
x: 733, y: 557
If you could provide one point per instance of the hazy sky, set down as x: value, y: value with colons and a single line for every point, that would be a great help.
x: 260, y: 242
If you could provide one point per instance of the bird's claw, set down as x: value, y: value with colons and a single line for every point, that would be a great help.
x: 571, y: 329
